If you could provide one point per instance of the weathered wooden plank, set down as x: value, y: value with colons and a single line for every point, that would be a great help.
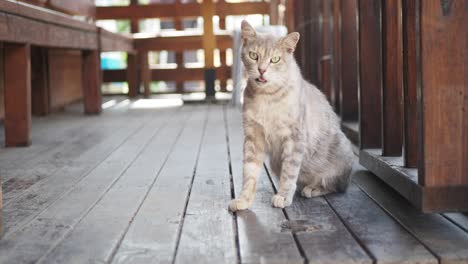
x: 370, y: 92
x: 154, y: 232
x: 392, y: 89
x: 444, y: 239
x: 207, y: 216
x: 17, y: 85
x: 44, y: 15
x: 459, y: 219
x: 386, y: 240
x: 208, y: 40
x: 444, y: 59
x: 321, y: 234
x: 120, y: 204
x: 61, y: 175
x: 36, y: 238
x: 261, y: 229
x: 336, y: 55
x: 92, y: 82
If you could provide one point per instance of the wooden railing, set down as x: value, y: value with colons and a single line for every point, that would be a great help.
x: 400, y: 69
x: 179, y: 42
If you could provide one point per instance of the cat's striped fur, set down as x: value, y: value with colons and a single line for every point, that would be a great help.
x: 289, y: 120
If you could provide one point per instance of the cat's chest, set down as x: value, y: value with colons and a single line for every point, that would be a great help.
x: 274, y: 119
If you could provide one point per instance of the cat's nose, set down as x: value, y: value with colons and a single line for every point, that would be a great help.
x: 261, y: 71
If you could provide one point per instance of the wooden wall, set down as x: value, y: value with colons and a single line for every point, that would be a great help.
x: 65, y: 77
x: 2, y: 104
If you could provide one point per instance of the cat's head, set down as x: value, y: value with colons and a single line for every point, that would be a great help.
x: 267, y: 58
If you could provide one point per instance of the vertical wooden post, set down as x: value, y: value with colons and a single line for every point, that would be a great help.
x: 290, y: 22
x: 222, y: 54
x: 39, y: 81
x: 274, y: 14
x: 179, y: 56
x: 411, y: 80
x: 145, y: 74
x: 349, y: 62
x: 392, y: 93
x: 132, y: 75
x: 370, y: 74
x: 92, y: 82
x: 209, y: 45
x: 325, y: 68
x: 325, y: 55
x: 443, y: 95
x: 336, y: 54
x: 17, y: 78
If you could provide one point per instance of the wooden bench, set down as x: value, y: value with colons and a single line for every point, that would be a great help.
x: 23, y: 26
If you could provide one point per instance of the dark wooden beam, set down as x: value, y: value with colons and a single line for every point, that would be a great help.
x: 370, y: 44
x: 443, y: 95
x: 349, y: 60
x: 17, y: 85
x: 92, y: 82
x: 39, y: 81
x: 411, y: 79
x: 392, y: 89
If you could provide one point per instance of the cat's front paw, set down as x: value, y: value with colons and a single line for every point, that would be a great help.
x: 280, y: 201
x: 238, y: 204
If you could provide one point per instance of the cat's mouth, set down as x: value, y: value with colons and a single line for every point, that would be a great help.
x: 261, y: 79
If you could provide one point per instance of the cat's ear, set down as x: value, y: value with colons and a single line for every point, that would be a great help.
x: 290, y: 41
x: 247, y: 31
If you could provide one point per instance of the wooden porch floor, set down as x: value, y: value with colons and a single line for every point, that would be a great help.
x: 140, y: 184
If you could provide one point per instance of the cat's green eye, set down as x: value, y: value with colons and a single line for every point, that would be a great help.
x: 253, y: 55
x: 275, y: 59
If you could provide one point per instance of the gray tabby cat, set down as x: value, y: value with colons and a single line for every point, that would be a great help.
x: 289, y: 119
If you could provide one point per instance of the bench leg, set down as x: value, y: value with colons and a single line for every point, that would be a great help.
x: 92, y: 82
x: 17, y: 71
x: 132, y: 75
x: 145, y: 74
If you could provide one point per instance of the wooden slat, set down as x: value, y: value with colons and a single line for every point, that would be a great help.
x: 115, y: 42
x: 446, y: 241
x: 179, y: 56
x: 76, y: 7
x: 325, y: 71
x: 181, y: 10
x: 89, y: 241
x: 336, y: 55
x: 131, y: 75
x: 17, y: 85
x: 65, y: 75
x: 145, y: 73
x: 392, y: 89
x: 444, y: 146
x: 25, y: 30
x: 460, y: 219
x: 31, y: 242
x: 40, y: 103
x: 83, y: 153
x: 44, y: 15
x: 154, y: 232
x: 370, y: 41
x: 411, y: 79
x: 349, y: 61
x: 208, y: 40
x: 326, y: 239
x: 184, y: 74
x: 206, y: 216
x: 260, y: 227
x: 405, y: 181
x: 92, y: 82
x: 386, y: 240
x: 180, y: 43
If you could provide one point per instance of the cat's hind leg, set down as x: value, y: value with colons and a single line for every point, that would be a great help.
x: 314, y: 190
